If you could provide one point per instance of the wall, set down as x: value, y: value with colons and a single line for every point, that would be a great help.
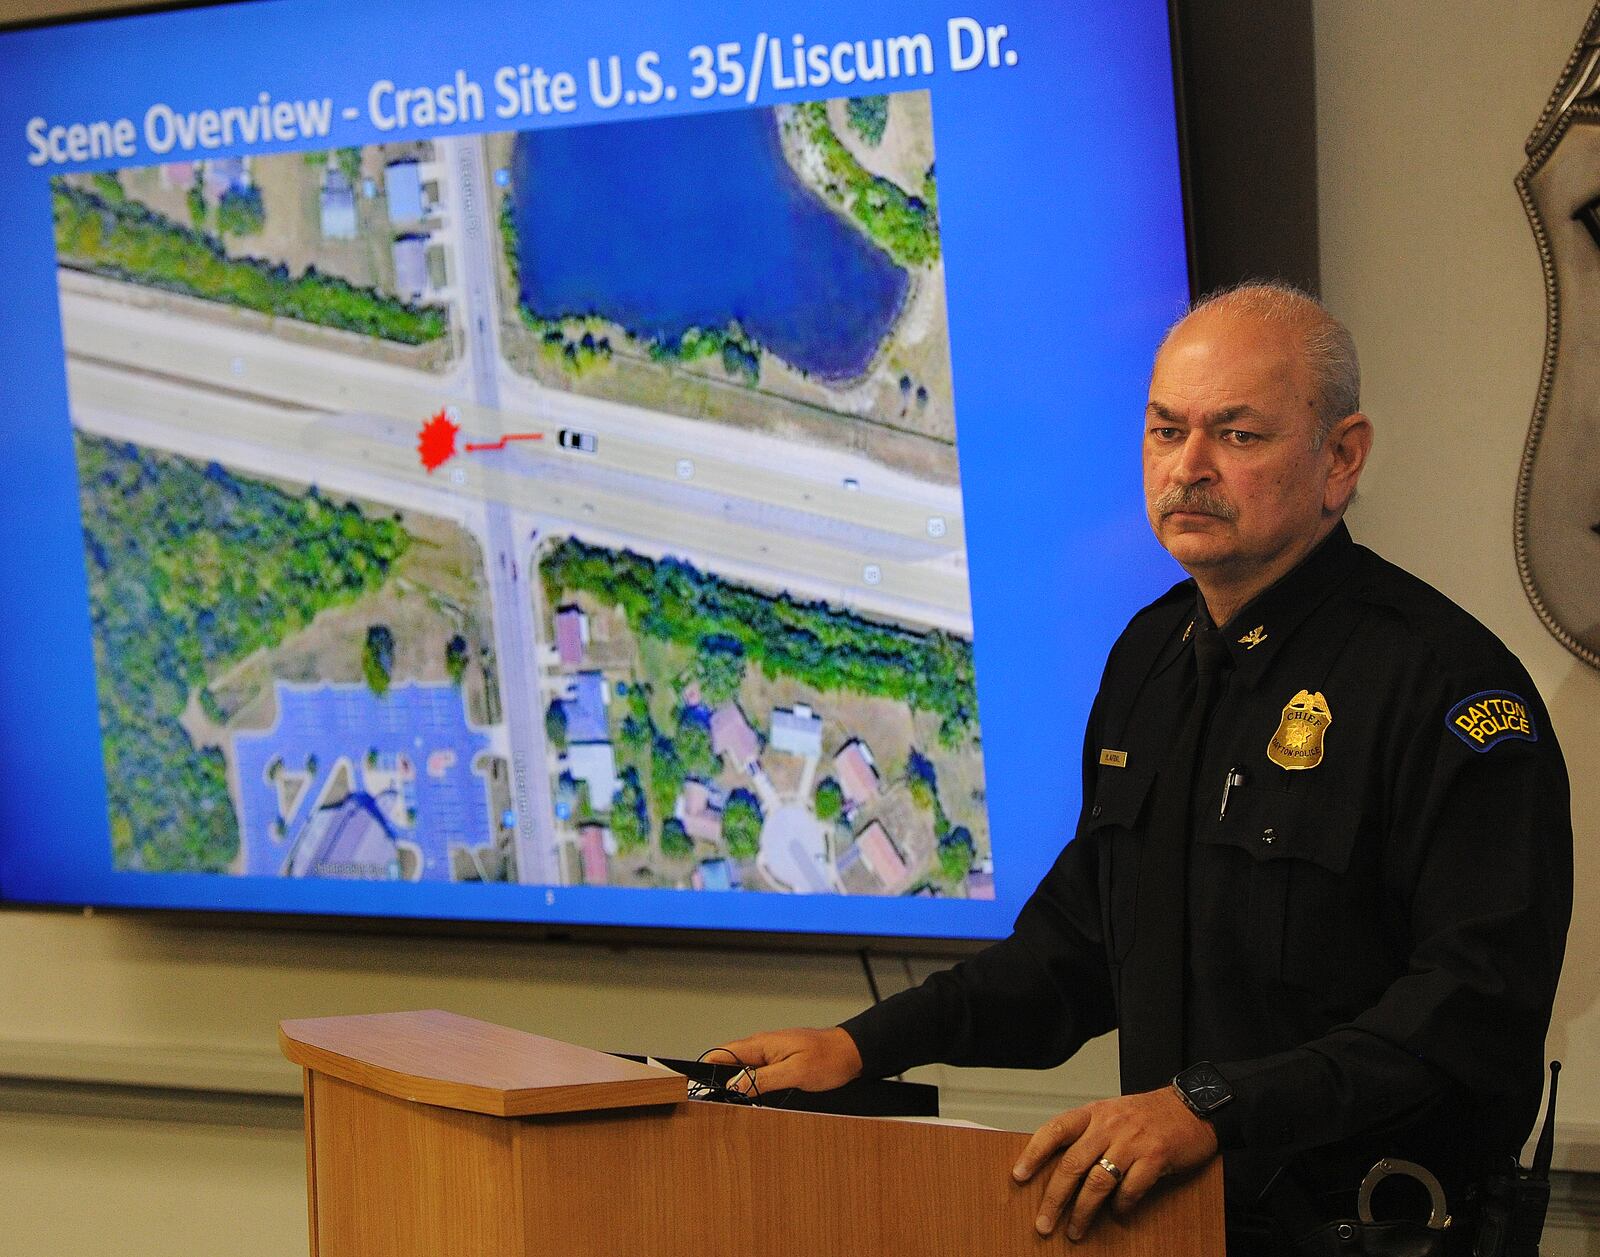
x: 1423, y: 108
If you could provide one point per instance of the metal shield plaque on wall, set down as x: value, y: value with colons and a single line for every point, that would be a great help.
x: 1558, y: 488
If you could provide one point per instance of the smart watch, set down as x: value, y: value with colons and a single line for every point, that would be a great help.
x: 1203, y: 1088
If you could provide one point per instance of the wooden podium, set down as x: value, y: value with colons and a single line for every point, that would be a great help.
x: 434, y: 1135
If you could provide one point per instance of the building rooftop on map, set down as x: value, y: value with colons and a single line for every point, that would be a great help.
x: 572, y: 634
x: 857, y: 773
x: 338, y: 206
x: 732, y: 736
x: 402, y: 180
x: 880, y: 853
x: 700, y: 809
x: 980, y: 885
x: 797, y: 730
x: 856, y: 875
x: 411, y: 266
x: 225, y: 174
x: 178, y: 174
x: 585, y: 708
x: 596, y: 764
x: 716, y: 875
x: 347, y: 840
x: 592, y: 848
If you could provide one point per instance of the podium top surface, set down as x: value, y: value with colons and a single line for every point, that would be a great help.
x: 457, y: 1062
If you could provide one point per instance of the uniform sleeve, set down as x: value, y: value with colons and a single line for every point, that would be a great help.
x: 1028, y: 1002
x: 1479, y: 868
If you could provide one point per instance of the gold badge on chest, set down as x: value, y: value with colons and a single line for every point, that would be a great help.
x: 1298, y: 741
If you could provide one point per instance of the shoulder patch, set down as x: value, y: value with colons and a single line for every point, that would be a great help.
x: 1490, y: 717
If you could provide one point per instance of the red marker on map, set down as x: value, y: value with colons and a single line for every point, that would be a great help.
x: 501, y: 443
x: 436, y: 443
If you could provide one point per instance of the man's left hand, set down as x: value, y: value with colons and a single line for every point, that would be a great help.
x: 1146, y: 1136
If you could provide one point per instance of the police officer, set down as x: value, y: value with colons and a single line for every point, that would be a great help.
x: 1322, y: 877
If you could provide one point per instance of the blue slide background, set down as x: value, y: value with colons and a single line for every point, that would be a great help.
x: 1061, y: 217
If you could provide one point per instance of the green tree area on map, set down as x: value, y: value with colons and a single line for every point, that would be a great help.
x: 192, y: 568
x: 956, y: 854
x: 741, y: 825
x: 568, y: 342
x: 687, y: 753
x: 740, y: 352
x: 377, y: 658
x: 829, y: 799
x: 126, y: 240
x: 630, y: 822
x: 822, y: 646
x: 868, y: 115
x: 956, y: 849
x: 241, y: 212
x: 904, y: 226
x: 665, y: 758
x: 722, y: 664
x: 675, y: 840
x: 456, y: 659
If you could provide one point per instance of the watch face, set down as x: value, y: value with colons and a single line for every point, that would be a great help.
x: 1206, y: 1088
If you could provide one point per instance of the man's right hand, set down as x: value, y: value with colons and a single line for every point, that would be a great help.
x: 777, y: 1060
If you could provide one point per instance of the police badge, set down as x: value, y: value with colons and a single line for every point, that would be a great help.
x: 1557, y: 521
x: 1298, y: 741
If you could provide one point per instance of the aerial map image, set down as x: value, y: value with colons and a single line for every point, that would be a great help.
x: 571, y: 507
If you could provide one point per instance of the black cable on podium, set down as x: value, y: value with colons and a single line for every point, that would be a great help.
x: 722, y: 1090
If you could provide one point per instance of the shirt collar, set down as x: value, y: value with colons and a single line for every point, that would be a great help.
x: 1260, y: 628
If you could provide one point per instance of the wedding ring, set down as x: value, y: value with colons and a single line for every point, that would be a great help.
x: 1110, y: 1167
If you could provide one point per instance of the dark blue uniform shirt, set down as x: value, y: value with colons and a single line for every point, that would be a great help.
x: 1375, y: 921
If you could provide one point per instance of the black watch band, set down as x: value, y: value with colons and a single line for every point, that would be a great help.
x: 1203, y: 1088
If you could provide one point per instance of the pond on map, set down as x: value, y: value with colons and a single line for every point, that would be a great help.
x: 672, y: 223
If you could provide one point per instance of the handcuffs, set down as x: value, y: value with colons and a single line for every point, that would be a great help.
x: 1438, y: 1215
x: 1366, y: 1236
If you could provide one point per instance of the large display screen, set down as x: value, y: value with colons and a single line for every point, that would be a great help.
x: 642, y: 464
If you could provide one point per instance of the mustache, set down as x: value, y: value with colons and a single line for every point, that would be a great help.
x: 1196, y: 498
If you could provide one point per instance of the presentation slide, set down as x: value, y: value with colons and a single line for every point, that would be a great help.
x: 645, y: 465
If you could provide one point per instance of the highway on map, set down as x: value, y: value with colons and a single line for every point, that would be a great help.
x: 726, y: 509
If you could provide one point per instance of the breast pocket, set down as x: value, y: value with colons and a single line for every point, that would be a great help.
x: 1305, y: 920
x: 1115, y: 820
x: 1274, y: 824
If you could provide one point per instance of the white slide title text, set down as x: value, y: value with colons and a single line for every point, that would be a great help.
x: 527, y: 90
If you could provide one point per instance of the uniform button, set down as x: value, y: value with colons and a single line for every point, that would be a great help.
x: 1095, y: 810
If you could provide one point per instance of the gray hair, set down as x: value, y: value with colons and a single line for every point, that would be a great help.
x: 1329, y: 349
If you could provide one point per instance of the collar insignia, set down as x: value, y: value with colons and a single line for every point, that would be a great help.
x: 1254, y: 637
x: 1188, y: 630
x: 1298, y: 741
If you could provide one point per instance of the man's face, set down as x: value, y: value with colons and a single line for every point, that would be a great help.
x: 1232, y: 484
